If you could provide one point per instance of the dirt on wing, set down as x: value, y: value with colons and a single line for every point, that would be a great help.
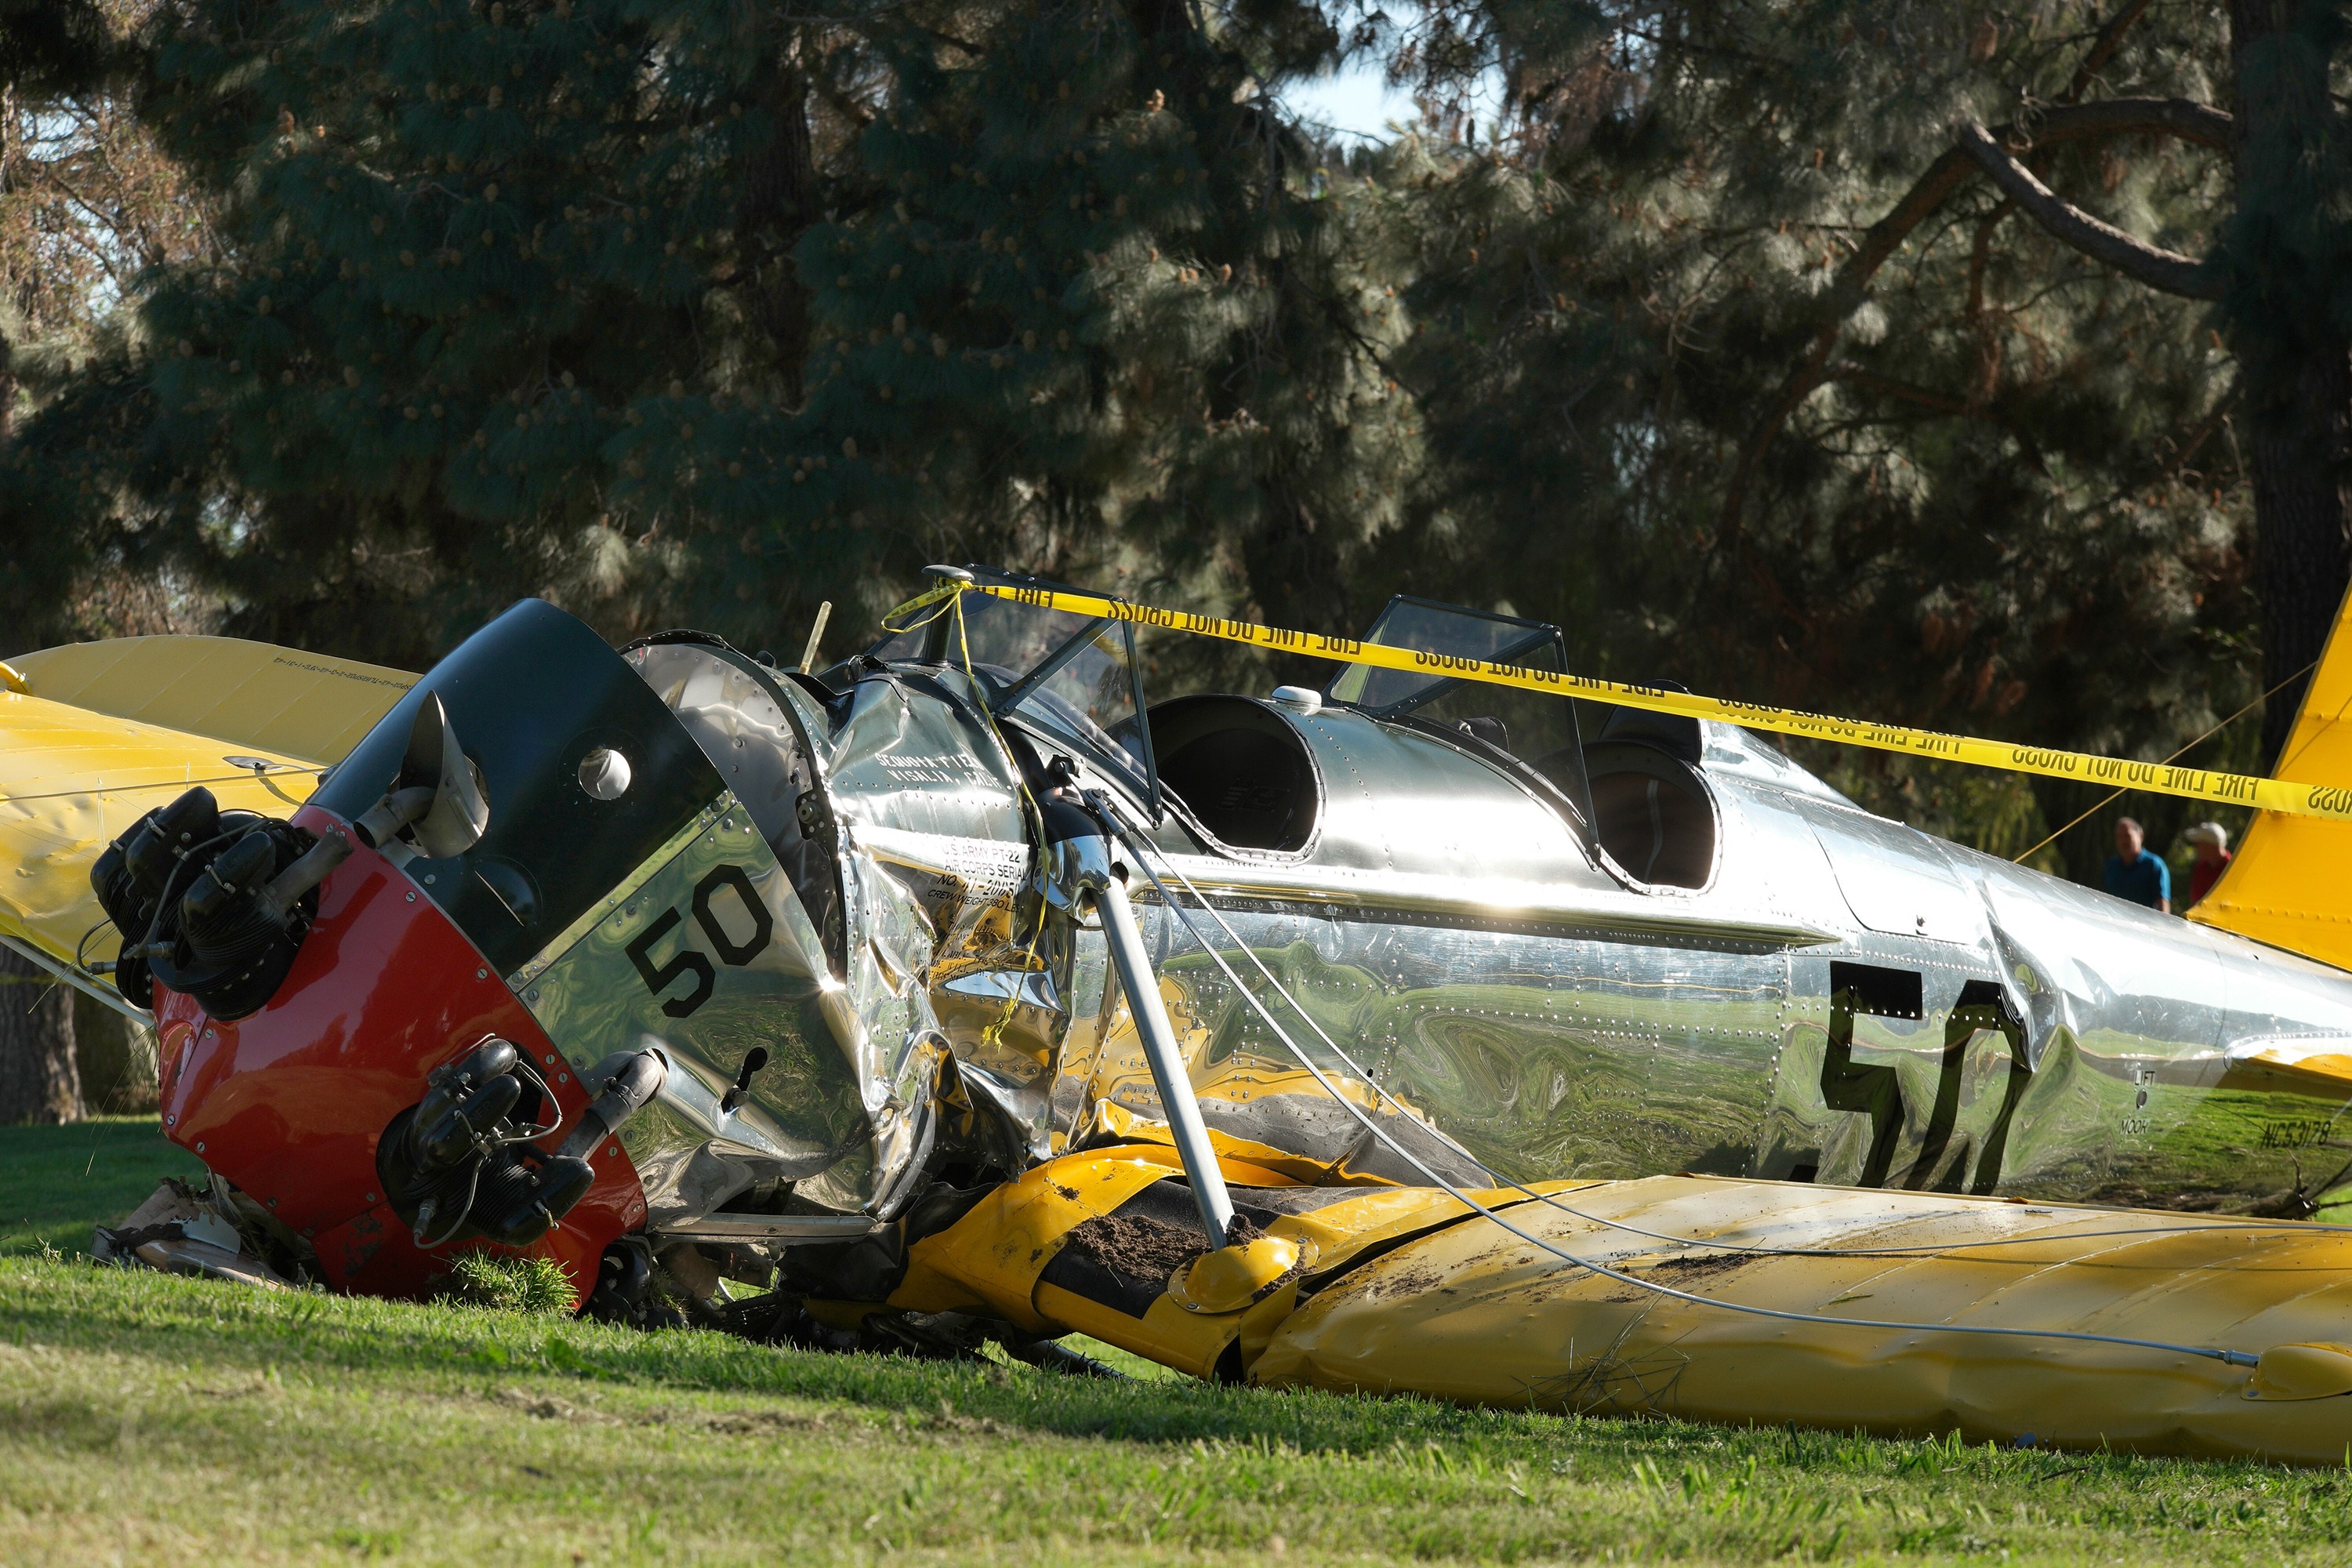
x: 1138, y: 1246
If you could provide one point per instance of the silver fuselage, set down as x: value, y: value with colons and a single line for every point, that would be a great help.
x: 1822, y: 995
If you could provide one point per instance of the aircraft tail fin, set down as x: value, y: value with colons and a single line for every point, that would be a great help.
x: 2290, y: 883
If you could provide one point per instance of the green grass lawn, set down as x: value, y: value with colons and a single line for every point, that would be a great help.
x: 56, y: 1182
x: 150, y: 1419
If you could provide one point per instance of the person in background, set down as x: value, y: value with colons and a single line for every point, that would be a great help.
x: 2135, y: 874
x: 2211, y: 841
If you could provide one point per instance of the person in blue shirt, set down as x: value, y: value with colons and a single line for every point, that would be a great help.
x: 2133, y: 873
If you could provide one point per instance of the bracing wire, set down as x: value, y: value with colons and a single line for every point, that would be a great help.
x: 179, y: 784
x: 1552, y: 1200
x: 2116, y: 794
x: 1135, y: 846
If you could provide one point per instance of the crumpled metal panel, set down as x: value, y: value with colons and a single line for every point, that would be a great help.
x: 761, y: 747
x: 936, y: 858
x: 911, y: 755
x: 843, y: 1113
x: 1507, y: 1009
x: 732, y: 716
x: 899, y: 1039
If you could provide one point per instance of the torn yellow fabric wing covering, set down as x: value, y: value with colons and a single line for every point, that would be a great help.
x: 1472, y: 1314
x: 1405, y: 1290
x: 2290, y: 883
x: 95, y: 735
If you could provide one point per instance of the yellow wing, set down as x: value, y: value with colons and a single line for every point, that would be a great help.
x: 95, y: 735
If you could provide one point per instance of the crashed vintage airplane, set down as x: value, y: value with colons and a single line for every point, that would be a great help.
x: 1408, y: 1035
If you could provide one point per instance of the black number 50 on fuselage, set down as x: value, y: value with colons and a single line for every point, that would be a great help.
x: 689, y: 960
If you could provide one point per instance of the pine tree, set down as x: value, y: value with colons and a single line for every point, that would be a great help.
x: 1809, y: 408
x: 468, y: 248
x: 547, y: 297
x: 86, y: 202
x: 1106, y: 317
x: 1736, y: 353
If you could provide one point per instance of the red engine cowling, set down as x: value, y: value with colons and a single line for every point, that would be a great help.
x: 289, y: 1102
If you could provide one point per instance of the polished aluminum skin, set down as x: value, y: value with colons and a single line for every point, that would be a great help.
x: 1841, y: 999
x: 1691, y: 955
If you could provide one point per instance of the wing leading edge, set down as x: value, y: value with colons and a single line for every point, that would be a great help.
x: 95, y: 735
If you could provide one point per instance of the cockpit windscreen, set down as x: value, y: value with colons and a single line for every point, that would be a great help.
x: 1069, y: 677
x: 1087, y: 695
x: 1535, y: 729
x: 1007, y: 641
x: 1432, y: 628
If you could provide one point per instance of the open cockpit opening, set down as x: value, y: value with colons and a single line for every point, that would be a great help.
x: 1653, y: 814
x: 1241, y: 772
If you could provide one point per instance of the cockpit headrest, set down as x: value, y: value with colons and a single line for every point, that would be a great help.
x: 1673, y: 733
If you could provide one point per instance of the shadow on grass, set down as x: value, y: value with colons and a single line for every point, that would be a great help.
x: 56, y: 1182
x: 186, y: 1324
x: 77, y: 1305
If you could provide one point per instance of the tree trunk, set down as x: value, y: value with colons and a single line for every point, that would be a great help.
x: 780, y: 201
x: 38, y: 1079
x: 2298, y: 364
x: 2302, y: 547
x: 115, y: 1057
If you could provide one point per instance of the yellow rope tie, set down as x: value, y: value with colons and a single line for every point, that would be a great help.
x: 993, y: 1036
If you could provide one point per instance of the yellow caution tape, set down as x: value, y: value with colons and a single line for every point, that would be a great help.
x: 2156, y: 778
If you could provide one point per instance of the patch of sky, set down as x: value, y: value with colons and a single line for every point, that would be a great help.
x: 1357, y: 104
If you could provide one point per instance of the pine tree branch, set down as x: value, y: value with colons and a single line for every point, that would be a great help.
x: 2179, y: 118
x: 2167, y: 271
x: 1925, y: 397
x: 938, y: 34
x: 2192, y: 123
x: 1901, y: 390
x: 2172, y: 468
x: 2103, y: 49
